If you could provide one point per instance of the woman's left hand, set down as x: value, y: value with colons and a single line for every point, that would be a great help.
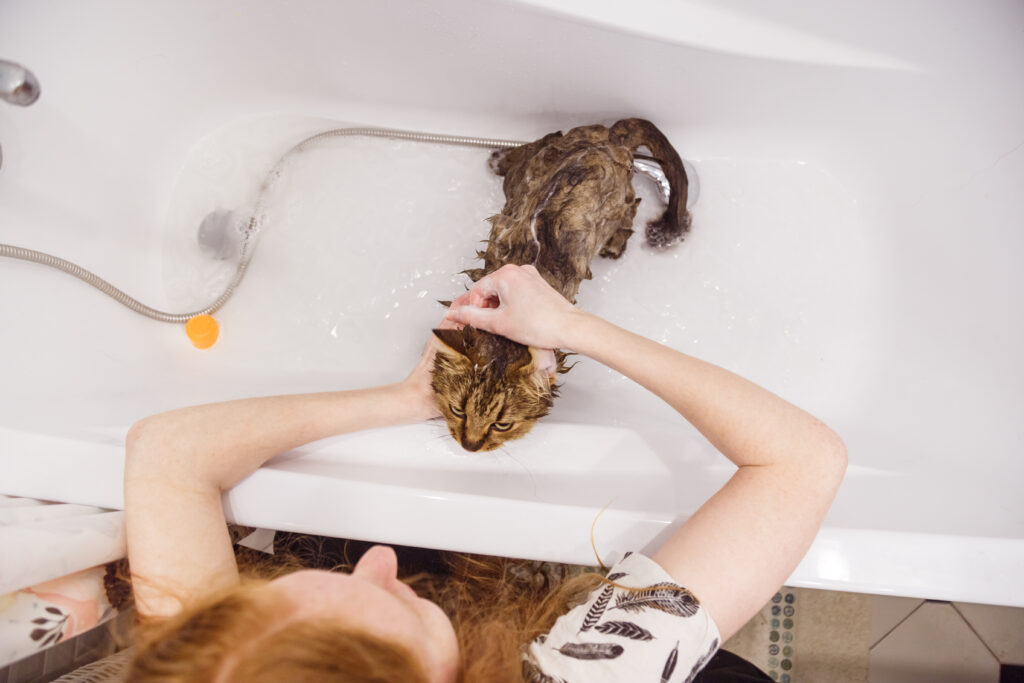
x: 424, y: 405
x: 417, y: 385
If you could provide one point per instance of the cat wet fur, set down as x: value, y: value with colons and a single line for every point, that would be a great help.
x: 568, y: 198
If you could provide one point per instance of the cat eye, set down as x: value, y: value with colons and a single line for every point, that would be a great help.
x: 455, y: 411
x: 502, y: 426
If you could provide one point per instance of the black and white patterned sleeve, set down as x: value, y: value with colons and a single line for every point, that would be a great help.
x: 643, y: 628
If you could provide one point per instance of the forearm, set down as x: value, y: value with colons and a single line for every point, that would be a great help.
x: 768, y: 513
x: 222, y: 443
x: 748, y: 424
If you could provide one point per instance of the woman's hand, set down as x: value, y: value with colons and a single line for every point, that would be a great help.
x: 421, y: 404
x: 516, y: 302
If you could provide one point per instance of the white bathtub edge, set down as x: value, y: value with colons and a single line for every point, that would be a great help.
x: 933, y: 566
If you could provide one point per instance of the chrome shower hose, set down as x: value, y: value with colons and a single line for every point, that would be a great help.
x: 248, y: 243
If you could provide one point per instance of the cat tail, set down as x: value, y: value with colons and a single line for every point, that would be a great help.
x: 674, y: 223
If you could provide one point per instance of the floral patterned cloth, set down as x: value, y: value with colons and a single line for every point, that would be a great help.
x: 653, y: 630
x: 35, y: 618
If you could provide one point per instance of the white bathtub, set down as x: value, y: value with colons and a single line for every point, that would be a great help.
x: 855, y: 248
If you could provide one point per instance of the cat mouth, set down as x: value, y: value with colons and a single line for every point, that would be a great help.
x: 476, y: 446
x: 473, y: 446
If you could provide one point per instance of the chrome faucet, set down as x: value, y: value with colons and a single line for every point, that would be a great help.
x: 17, y: 84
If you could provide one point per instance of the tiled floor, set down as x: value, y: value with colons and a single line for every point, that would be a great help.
x: 823, y: 636
x: 853, y: 638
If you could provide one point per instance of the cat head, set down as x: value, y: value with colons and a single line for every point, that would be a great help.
x: 490, y: 389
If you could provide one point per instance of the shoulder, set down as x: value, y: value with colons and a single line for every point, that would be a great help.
x: 637, y: 625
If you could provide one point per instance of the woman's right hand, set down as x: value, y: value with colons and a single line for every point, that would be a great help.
x: 516, y: 302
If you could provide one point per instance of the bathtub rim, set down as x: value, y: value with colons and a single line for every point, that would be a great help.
x: 889, y: 563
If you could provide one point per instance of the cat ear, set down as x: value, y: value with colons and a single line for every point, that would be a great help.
x: 453, y: 341
x: 542, y: 361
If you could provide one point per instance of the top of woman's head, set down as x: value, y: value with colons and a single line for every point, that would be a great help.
x: 307, y: 626
x: 236, y: 638
x: 324, y: 626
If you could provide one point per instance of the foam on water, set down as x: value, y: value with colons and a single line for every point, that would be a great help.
x: 361, y: 236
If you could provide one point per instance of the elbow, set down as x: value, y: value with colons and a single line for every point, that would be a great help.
x: 833, y: 456
x: 131, y: 452
x: 158, y: 447
x: 139, y: 445
x: 137, y: 436
x: 837, y: 452
x: 135, y: 433
x: 133, y: 447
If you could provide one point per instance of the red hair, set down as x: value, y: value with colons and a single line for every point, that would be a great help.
x: 497, y: 606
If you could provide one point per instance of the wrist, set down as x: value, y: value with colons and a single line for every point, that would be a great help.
x: 413, y: 401
x: 577, y: 330
x: 397, y: 402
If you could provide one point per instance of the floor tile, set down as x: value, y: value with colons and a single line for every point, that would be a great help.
x: 1001, y: 628
x: 832, y: 630
x: 887, y: 611
x: 808, y: 635
x: 933, y: 645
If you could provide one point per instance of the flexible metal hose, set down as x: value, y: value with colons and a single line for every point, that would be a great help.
x: 249, y: 241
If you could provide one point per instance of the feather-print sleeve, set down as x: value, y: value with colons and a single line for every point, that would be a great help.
x: 641, y: 626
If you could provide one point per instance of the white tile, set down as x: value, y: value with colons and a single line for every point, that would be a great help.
x: 934, y: 645
x: 886, y: 612
x: 1001, y: 628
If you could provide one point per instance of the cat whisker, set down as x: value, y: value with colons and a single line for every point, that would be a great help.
x: 441, y: 432
x: 533, y: 480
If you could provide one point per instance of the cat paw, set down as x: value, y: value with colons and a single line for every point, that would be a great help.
x: 616, y: 244
x: 496, y: 162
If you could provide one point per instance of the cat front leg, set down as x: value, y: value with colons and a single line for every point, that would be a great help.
x: 616, y: 244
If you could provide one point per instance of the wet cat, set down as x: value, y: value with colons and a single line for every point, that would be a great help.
x: 568, y: 198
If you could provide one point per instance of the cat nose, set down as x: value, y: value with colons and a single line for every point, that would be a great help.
x: 472, y: 446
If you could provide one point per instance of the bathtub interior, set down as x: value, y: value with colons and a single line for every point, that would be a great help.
x: 853, y: 248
